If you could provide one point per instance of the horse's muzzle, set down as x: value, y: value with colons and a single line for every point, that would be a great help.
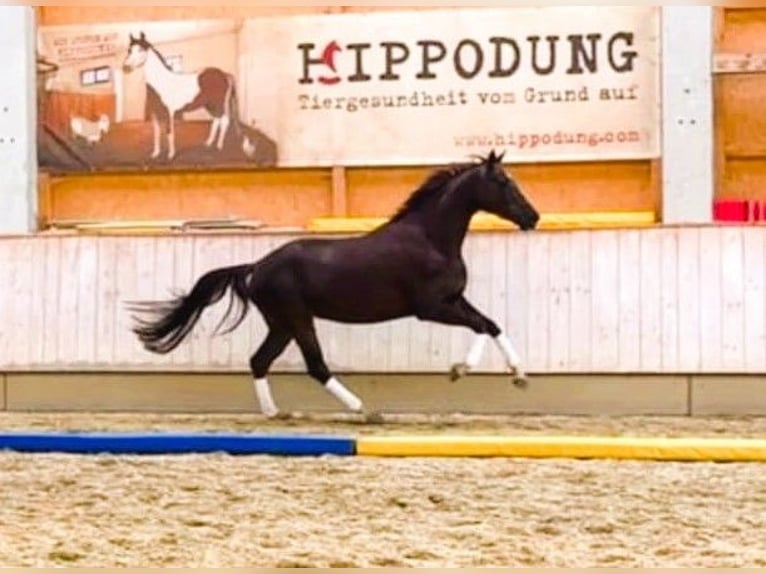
x: 530, y: 223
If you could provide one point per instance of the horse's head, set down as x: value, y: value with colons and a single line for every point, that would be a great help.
x: 138, y: 50
x: 500, y: 195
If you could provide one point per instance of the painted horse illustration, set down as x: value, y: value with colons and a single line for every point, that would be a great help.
x: 410, y: 266
x: 171, y: 93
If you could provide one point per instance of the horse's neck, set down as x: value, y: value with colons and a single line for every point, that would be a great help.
x: 155, y: 68
x: 447, y: 222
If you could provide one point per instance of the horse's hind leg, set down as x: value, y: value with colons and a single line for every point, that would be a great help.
x: 224, y: 121
x: 156, y: 136
x: 214, y: 126
x: 273, y: 345
x: 171, y: 136
x: 305, y: 336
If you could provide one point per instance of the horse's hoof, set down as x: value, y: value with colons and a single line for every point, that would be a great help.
x: 374, y: 419
x: 280, y: 416
x: 520, y: 382
x: 458, y: 371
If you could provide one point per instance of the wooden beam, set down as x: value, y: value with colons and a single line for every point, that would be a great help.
x: 339, y: 192
x: 739, y: 63
x: 44, y: 200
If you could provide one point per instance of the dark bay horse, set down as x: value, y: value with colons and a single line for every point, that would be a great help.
x: 410, y: 266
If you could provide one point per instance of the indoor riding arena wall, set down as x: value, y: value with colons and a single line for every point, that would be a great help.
x: 289, y: 197
x: 639, y: 317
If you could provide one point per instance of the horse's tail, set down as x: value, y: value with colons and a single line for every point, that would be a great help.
x: 171, y: 321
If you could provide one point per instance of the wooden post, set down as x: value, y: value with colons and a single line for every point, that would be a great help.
x: 687, y: 127
x: 339, y: 199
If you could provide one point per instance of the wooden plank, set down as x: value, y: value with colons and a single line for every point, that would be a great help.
x: 741, y: 115
x: 51, y: 300
x: 284, y: 197
x: 20, y: 302
x: 732, y: 299
x: 481, y: 288
x: 754, y: 247
x: 669, y: 299
x: 719, y: 27
x: 559, y: 301
x: 517, y: 298
x: 36, y: 306
x: 580, y: 287
x: 110, y: 310
x: 689, y: 333
x: 70, y: 15
x: 744, y: 180
x: 538, y: 336
x: 711, y: 318
x: 497, y: 295
x: 65, y: 320
x: 604, y: 311
x: 144, y: 264
x: 84, y: 274
x: 339, y: 191
x: 719, y: 138
x: 45, y: 199
x: 744, y: 30
x: 552, y: 187
x: 749, y: 63
x: 651, y: 296
x: 629, y: 301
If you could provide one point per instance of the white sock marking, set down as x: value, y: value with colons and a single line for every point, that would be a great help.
x: 476, y: 351
x: 263, y: 392
x: 340, y: 392
x: 510, y: 354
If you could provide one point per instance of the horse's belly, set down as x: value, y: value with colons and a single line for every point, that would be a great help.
x: 360, y: 303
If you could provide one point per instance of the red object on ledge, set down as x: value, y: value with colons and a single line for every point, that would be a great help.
x: 731, y: 211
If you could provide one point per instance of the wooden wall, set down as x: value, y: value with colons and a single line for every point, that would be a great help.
x: 292, y: 197
x: 740, y: 103
x: 663, y: 301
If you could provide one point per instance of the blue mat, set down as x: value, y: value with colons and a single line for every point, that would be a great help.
x: 172, y: 443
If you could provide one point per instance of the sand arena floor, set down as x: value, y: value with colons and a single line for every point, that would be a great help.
x: 217, y: 510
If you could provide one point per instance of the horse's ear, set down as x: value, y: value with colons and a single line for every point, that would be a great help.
x: 143, y: 36
x: 132, y: 39
x: 492, y: 157
x: 500, y: 157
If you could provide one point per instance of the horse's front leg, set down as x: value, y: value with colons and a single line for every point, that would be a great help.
x: 171, y: 136
x: 460, y: 312
x: 156, y: 133
x: 512, y: 359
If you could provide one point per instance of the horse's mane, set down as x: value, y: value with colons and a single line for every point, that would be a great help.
x: 161, y: 57
x: 436, y: 184
x: 147, y: 45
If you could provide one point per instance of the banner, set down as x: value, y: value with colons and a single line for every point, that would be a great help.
x: 385, y: 88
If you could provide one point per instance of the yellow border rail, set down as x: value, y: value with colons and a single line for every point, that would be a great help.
x: 487, y: 222
x: 620, y: 448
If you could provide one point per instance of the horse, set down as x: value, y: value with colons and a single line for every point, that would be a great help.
x: 170, y: 93
x: 410, y: 266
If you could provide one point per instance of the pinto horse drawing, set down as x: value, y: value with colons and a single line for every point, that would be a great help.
x: 410, y: 266
x: 171, y: 93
